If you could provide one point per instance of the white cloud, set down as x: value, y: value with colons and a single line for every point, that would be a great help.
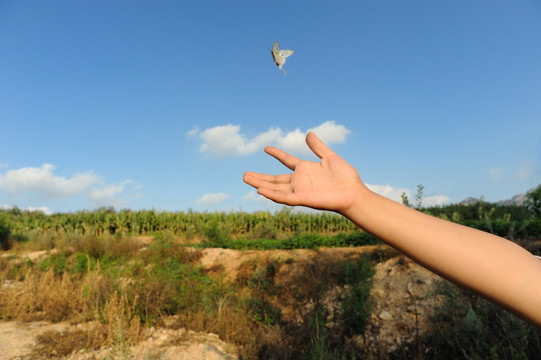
x: 107, y: 196
x: 435, y: 200
x: 391, y: 192
x: 253, y: 196
x: 396, y: 195
x: 294, y: 142
x: 212, y: 198
x: 43, y: 182
x: 194, y: 131
x: 226, y: 140
x: 330, y: 133
x: 37, y: 183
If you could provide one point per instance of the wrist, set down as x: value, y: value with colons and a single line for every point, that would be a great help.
x: 359, y: 202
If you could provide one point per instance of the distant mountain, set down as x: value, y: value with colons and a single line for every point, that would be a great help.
x: 470, y: 201
x: 519, y: 200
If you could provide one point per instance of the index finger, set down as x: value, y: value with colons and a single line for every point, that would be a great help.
x: 288, y: 160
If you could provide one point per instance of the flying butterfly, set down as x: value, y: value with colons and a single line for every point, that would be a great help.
x: 279, y: 56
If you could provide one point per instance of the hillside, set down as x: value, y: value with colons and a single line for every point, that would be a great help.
x: 402, y: 305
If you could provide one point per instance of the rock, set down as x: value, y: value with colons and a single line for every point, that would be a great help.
x: 385, y: 315
x: 416, y: 288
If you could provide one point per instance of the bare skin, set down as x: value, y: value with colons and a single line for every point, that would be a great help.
x: 493, y: 267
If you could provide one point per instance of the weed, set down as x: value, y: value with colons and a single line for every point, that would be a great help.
x: 355, y: 271
x: 57, y: 262
x: 119, y: 347
x: 54, y: 344
x: 106, y: 279
x: 468, y: 326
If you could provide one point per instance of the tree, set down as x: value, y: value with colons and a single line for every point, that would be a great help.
x: 419, y: 196
x: 533, y: 201
x: 405, y: 199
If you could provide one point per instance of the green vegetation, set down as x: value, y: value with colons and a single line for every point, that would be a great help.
x: 4, y: 233
x: 325, y: 331
x: 114, y: 282
x: 124, y: 288
x: 130, y: 270
x: 533, y: 201
x: 357, y: 302
x: 514, y: 222
x: 284, y: 229
x: 303, y: 241
x: 469, y: 327
x: 189, y: 225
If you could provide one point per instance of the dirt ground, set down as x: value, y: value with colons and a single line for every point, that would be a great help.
x: 402, y: 292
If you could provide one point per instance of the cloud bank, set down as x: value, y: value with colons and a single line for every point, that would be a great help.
x: 108, y: 195
x: 228, y: 139
x: 44, y: 183
x: 36, y: 184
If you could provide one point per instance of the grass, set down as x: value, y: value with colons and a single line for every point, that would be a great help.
x: 467, y: 326
x: 301, y: 241
x: 122, y: 289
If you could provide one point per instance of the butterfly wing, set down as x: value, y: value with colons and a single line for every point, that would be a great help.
x: 275, y: 52
x: 286, y: 53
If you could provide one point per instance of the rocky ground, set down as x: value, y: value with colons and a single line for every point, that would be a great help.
x: 403, y: 293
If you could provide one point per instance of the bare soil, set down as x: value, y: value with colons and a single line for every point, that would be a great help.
x: 403, y: 293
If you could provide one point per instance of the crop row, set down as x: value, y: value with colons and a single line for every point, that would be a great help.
x: 188, y: 224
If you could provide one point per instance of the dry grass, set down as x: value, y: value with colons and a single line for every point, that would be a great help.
x: 47, y: 296
x: 79, y: 298
x: 121, y: 294
x: 122, y: 289
x: 62, y: 343
x: 120, y: 319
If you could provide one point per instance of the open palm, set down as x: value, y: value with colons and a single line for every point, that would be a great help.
x: 331, y: 184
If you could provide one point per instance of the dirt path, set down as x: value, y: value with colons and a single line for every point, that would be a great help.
x: 18, y: 339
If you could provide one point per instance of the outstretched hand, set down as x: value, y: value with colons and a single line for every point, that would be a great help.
x: 331, y: 184
x: 491, y: 267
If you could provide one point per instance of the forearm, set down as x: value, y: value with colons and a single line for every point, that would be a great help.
x: 493, y: 267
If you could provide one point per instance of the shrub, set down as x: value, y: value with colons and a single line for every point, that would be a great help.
x: 473, y: 328
x: 5, y: 231
x: 357, y: 303
x: 533, y: 201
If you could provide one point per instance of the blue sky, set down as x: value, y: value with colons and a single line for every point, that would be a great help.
x: 165, y: 104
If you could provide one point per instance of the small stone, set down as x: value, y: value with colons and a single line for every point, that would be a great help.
x: 416, y: 289
x: 385, y: 315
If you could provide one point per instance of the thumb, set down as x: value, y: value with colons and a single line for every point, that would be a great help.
x: 317, y: 146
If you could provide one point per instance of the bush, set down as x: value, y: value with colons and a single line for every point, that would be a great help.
x: 357, y: 303
x: 5, y: 231
x: 473, y: 328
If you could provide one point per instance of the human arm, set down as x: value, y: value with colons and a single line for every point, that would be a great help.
x: 491, y: 266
